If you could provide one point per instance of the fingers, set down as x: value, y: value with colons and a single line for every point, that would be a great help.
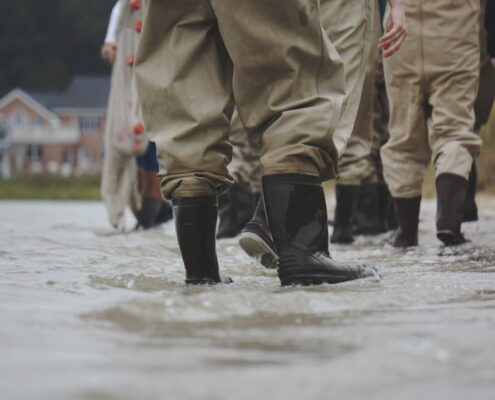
x: 392, y: 36
x: 392, y: 49
x: 108, y: 53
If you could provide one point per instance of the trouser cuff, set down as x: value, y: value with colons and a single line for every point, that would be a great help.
x: 271, y: 180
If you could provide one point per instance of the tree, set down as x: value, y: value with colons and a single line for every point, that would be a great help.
x: 43, y: 44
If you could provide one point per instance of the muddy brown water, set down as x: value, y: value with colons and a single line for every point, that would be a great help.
x: 87, y: 314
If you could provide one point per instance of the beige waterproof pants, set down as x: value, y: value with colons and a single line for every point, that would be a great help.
x: 246, y: 153
x: 355, y: 161
x: 288, y: 83
x: 486, y: 90
x: 431, y: 84
x: 348, y: 26
x: 379, y: 133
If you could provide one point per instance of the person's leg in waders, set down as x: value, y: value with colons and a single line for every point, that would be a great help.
x: 236, y: 207
x: 482, y: 106
x: 347, y: 26
x: 154, y: 210
x: 118, y: 182
x: 437, y: 71
x: 374, y: 210
x: 355, y: 162
x: 294, y: 95
x: 255, y: 239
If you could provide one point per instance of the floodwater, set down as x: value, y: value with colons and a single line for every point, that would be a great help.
x: 85, y: 314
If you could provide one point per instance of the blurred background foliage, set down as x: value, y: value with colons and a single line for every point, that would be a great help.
x: 43, y: 43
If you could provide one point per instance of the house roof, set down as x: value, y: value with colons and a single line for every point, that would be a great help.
x: 84, y: 92
x: 30, y: 101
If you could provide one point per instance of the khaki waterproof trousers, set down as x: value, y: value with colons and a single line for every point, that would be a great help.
x: 486, y: 90
x: 355, y: 161
x: 431, y: 84
x: 246, y: 153
x: 347, y: 24
x: 196, y: 57
x: 379, y: 133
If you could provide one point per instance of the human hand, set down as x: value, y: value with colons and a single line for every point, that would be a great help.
x: 395, y: 29
x: 492, y: 60
x: 109, y: 52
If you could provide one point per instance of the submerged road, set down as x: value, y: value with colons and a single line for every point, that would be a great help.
x: 86, y: 314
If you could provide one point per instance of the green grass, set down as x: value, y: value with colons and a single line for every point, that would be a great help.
x: 46, y: 187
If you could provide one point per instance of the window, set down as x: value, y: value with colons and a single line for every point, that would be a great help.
x: 34, y: 153
x: 89, y: 124
x: 3, y: 128
x: 19, y: 119
x: 39, y: 122
x: 69, y: 157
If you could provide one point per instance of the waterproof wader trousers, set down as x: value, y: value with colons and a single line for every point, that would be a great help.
x: 246, y: 152
x: 347, y: 24
x: 272, y: 58
x: 486, y: 91
x: 431, y: 84
x: 355, y: 161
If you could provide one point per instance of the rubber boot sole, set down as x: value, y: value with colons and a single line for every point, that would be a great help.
x: 450, y: 238
x: 321, y: 279
x: 312, y: 276
x: 342, y: 238
x: 208, y: 281
x: 313, y: 280
x: 254, y: 246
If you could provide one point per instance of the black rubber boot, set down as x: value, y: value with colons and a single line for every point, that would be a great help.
x: 150, y: 209
x: 165, y: 214
x: 451, y: 204
x: 366, y: 216
x: 346, y: 197
x: 195, y: 224
x: 386, y: 211
x: 297, y: 215
x: 256, y: 239
x: 471, y: 213
x: 407, y: 214
x: 235, y: 210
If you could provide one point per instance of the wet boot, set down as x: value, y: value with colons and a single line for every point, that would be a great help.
x: 346, y: 197
x: 256, y: 239
x: 471, y: 213
x: 297, y: 216
x: 235, y: 210
x: 150, y: 209
x: 407, y: 214
x: 165, y: 214
x: 386, y: 211
x: 365, y: 220
x: 195, y: 224
x: 451, y: 204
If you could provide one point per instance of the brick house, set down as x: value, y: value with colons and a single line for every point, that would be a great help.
x: 54, y: 132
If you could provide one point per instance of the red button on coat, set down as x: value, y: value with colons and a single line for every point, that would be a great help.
x: 135, y: 4
x: 138, y: 128
x: 130, y: 60
x: 138, y: 26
